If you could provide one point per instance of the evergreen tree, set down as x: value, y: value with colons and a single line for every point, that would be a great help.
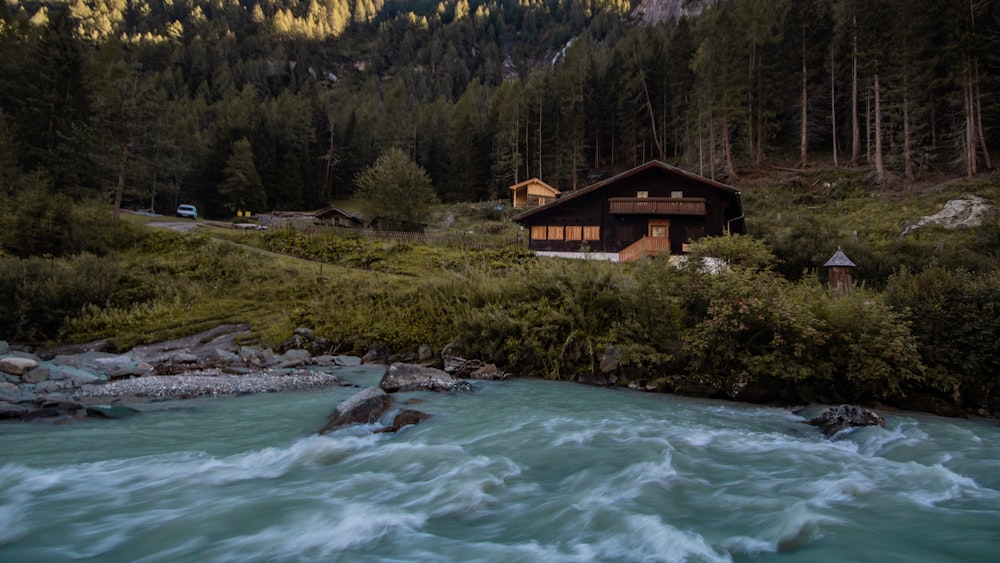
x: 242, y: 185
x: 396, y: 189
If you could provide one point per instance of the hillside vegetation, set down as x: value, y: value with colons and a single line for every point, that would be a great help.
x: 920, y: 330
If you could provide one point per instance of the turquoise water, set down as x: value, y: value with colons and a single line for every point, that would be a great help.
x: 515, y: 471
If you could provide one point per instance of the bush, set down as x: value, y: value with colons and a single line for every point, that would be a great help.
x: 40, y: 294
x: 955, y: 315
x: 40, y: 223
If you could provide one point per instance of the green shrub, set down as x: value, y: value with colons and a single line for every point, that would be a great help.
x: 40, y: 294
x: 866, y: 352
x: 955, y: 317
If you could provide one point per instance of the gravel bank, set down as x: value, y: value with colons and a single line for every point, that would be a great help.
x: 204, y: 383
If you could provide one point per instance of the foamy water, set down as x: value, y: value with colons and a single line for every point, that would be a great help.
x: 514, y: 471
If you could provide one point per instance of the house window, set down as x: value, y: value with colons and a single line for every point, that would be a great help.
x: 677, y: 193
x: 574, y: 233
x: 555, y: 233
x: 592, y: 233
x: 659, y: 228
x: 541, y: 201
x: 642, y: 194
x: 538, y: 232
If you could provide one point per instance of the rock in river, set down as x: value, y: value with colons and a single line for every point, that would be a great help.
x: 835, y: 419
x: 365, y: 407
x: 410, y: 377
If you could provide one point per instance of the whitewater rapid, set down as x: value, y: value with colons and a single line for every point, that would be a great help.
x: 515, y: 471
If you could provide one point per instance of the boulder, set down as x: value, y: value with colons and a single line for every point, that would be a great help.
x: 409, y: 377
x: 9, y: 392
x: 37, y: 375
x: 324, y: 360
x: 364, y: 407
x: 123, y: 367
x: 296, y: 355
x: 610, y: 359
x: 488, y: 372
x: 835, y: 419
x: 54, y: 386
x: 377, y: 354
x: 4, y: 348
x: 424, y: 353
x: 89, y: 361
x: 406, y: 417
x: 110, y: 411
x: 347, y: 361
x: 75, y: 376
x: 17, y: 366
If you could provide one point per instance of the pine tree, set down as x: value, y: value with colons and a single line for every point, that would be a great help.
x: 242, y: 186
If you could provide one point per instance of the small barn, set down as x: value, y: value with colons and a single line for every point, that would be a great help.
x: 654, y: 209
x: 532, y: 193
x: 337, y: 217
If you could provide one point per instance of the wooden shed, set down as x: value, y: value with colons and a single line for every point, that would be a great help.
x: 533, y: 192
x: 839, y: 268
x: 337, y: 217
x: 653, y: 209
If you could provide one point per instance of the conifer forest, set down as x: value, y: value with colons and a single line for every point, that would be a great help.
x: 148, y: 104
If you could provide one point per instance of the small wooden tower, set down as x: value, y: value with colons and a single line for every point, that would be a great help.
x: 839, y: 268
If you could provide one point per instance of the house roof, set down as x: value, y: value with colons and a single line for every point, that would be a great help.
x: 343, y: 212
x: 534, y: 181
x: 653, y: 164
x: 839, y: 259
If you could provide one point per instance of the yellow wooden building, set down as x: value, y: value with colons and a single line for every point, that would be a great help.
x: 532, y: 193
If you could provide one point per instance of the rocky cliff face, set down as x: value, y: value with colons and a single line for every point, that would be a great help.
x: 656, y: 11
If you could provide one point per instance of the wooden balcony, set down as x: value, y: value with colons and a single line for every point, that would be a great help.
x: 657, y: 206
x: 645, y: 247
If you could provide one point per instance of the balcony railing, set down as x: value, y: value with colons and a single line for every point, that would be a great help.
x: 644, y: 247
x: 657, y: 206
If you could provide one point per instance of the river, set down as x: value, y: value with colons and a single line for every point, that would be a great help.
x: 520, y: 470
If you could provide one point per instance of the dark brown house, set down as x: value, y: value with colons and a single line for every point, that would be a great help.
x: 653, y: 209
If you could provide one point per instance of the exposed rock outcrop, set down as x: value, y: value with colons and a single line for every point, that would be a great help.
x: 966, y: 211
x: 835, y: 419
x: 409, y: 377
x: 215, y: 362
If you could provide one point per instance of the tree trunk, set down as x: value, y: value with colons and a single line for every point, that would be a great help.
x: 833, y: 106
x: 907, y: 134
x: 751, y: 139
x: 540, y: 104
x: 970, y: 135
x: 868, y: 124
x: 649, y: 103
x: 711, y: 145
x: 879, y: 165
x: 727, y: 152
x: 804, y: 126
x: 979, y: 116
x: 855, y: 125
x: 120, y: 188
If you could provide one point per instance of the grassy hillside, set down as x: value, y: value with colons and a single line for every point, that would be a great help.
x: 921, y: 330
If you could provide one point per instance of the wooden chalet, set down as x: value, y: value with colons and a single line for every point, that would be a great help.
x: 653, y: 209
x: 533, y: 192
x: 337, y: 217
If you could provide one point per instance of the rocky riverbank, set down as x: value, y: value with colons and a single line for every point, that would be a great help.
x: 69, y: 381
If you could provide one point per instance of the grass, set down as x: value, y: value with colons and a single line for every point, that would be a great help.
x: 362, y: 291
